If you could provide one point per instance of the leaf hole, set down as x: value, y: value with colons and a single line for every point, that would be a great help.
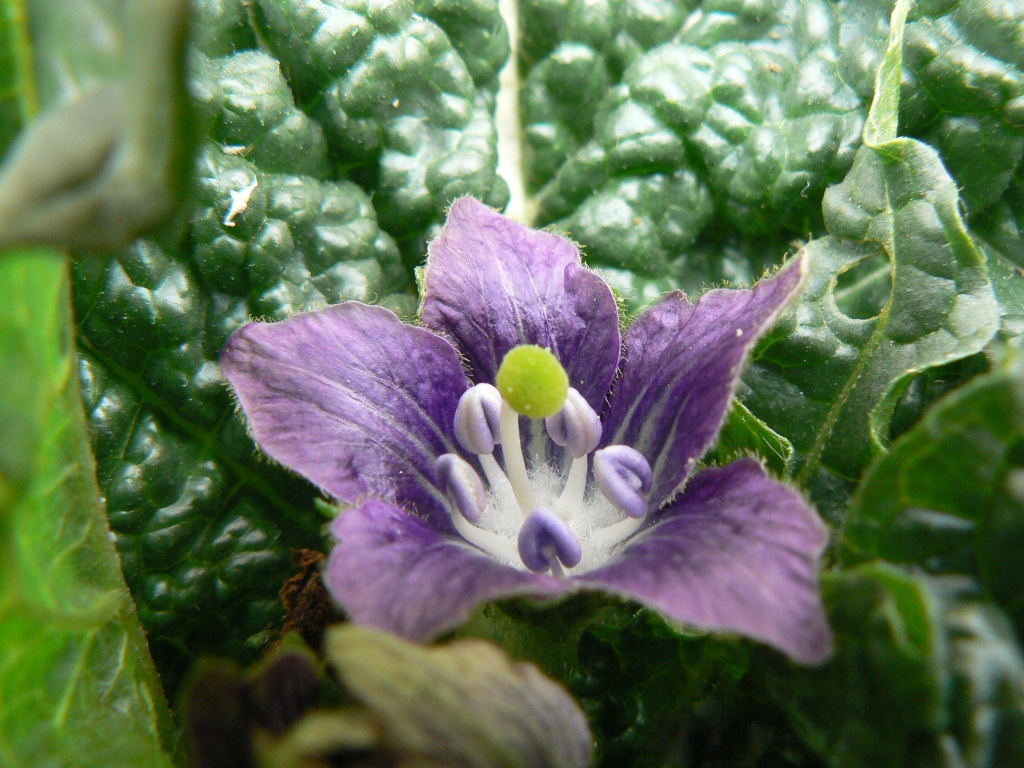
x: 863, y: 289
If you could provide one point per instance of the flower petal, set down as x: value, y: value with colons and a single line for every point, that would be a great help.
x: 681, y: 362
x: 737, y: 551
x: 396, y: 572
x: 352, y: 399
x: 492, y: 284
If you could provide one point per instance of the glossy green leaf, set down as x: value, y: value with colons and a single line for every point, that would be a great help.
x: 76, y: 680
x: 405, y: 94
x: 949, y: 496
x: 281, y: 218
x: 653, y: 128
x: 829, y: 381
x: 963, y: 65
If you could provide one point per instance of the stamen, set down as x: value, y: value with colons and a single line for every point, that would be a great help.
x: 577, y: 425
x: 624, y: 475
x: 463, y: 486
x: 477, y: 419
x: 515, y: 465
x: 478, y: 429
x: 546, y: 542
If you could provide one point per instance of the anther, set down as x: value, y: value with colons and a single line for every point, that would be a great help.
x: 478, y: 419
x: 462, y: 485
x: 623, y: 475
x: 545, y: 539
x: 577, y: 425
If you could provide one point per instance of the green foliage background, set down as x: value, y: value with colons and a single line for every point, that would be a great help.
x: 683, y: 144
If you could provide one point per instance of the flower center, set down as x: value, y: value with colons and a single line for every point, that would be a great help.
x: 540, y: 515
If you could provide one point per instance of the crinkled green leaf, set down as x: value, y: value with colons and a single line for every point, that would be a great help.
x: 726, y: 259
x: 642, y: 682
x: 203, y: 524
x: 829, y: 381
x: 76, y: 680
x: 653, y: 127
x: 949, y: 496
x: 964, y: 62
x: 282, y: 217
x: 924, y: 675
x: 735, y: 112
x: 408, y: 109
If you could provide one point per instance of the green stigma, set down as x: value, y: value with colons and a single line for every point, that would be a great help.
x: 532, y: 381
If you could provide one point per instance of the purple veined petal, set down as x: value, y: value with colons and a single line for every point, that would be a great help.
x: 737, y: 551
x: 681, y: 363
x: 351, y: 399
x: 492, y: 284
x: 399, y: 573
x: 544, y: 537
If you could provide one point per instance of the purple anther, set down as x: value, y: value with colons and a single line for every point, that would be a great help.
x: 577, y: 425
x: 478, y: 419
x: 623, y: 475
x: 544, y: 537
x: 462, y: 485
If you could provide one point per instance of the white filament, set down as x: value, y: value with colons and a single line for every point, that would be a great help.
x: 496, y: 546
x: 515, y: 465
x: 575, y: 486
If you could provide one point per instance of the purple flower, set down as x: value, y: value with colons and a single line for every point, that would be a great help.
x: 458, y: 499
